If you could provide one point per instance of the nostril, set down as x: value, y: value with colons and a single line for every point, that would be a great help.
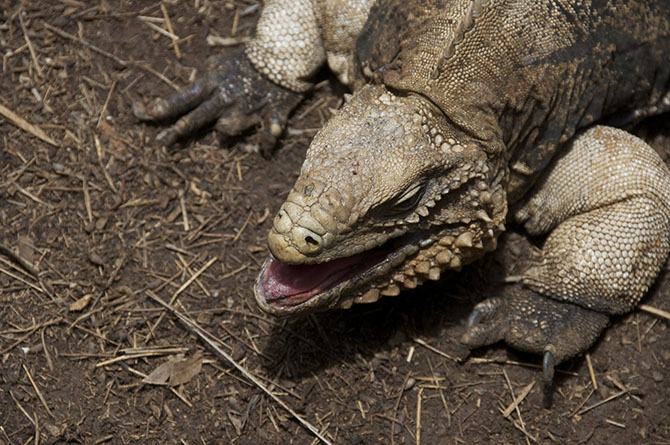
x: 306, y: 241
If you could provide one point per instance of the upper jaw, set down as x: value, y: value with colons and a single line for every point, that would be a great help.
x: 358, y: 274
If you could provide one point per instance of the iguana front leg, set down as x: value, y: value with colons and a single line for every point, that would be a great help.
x: 261, y: 85
x: 258, y: 86
x: 606, y: 202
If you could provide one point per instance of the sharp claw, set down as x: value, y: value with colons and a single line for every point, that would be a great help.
x: 140, y: 111
x: 167, y: 137
x: 463, y: 351
x: 276, y: 127
x: 474, y: 318
x: 548, y: 363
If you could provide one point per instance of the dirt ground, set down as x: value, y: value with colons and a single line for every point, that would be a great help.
x: 107, y: 220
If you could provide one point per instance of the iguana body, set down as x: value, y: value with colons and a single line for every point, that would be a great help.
x: 465, y: 115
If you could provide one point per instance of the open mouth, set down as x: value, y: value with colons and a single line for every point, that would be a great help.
x: 284, y: 288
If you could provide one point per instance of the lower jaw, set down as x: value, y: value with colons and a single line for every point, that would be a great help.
x: 342, y: 294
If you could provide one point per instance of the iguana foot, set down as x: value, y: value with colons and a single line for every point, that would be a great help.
x: 234, y: 95
x: 609, y: 237
x: 532, y: 323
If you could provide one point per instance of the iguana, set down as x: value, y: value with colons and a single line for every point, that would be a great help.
x: 465, y: 115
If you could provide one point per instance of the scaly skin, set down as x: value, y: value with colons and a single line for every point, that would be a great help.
x: 468, y: 104
x: 462, y: 110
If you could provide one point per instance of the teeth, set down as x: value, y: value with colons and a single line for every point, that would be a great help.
x: 464, y: 240
x: 430, y: 203
x: 434, y: 273
x: 455, y: 263
x: 369, y: 297
x: 412, y: 219
x: 484, y: 216
x: 399, y: 278
x: 446, y: 241
x: 443, y: 257
x: 411, y: 282
x: 423, y: 267
x: 346, y: 304
x: 422, y: 211
x: 391, y: 291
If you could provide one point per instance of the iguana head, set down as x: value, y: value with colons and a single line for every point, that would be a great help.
x: 390, y: 195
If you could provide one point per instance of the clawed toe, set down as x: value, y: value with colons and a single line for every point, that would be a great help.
x: 548, y: 363
x: 532, y: 323
x: 234, y: 95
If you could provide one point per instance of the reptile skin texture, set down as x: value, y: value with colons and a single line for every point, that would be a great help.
x: 465, y: 116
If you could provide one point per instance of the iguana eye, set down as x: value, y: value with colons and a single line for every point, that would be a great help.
x: 407, y: 200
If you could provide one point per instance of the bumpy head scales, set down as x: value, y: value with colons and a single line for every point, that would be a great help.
x: 389, y: 195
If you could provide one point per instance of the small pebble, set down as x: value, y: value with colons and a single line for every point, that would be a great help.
x: 95, y: 259
x: 657, y: 376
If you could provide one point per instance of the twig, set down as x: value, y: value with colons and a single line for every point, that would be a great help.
x: 612, y: 422
x: 184, y: 213
x: 434, y: 349
x: 87, y: 200
x: 106, y: 104
x: 586, y: 399
x: 59, y: 32
x: 602, y: 402
x: 98, y: 149
x: 515, y: 403
x: 19, y: 259
x: 226, y: 41
x: 181, y: 289
x: 418, y: 416
x: 516, y: 363
x: 37, y: 390
x: 30, y: 195
x: 516, y: 408
x: 33, y: 54
x: 205, y: 336
x: 591, y: 373
x: 244, y: 226
x: 37, y: 429
x: 439, y: 388
x: 123, y: 63
x: 170, y: 29
x: 46, y: 351
x: 397, y: 404
x: 134, y: 356
x: 25, y: 413
x: 26, y: 126
x: 30, y: 332
x: 652, y: 310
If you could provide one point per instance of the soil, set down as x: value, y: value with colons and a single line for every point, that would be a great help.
x: 106, y: 220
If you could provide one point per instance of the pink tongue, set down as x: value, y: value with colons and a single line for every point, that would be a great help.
x: 294, y: 284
